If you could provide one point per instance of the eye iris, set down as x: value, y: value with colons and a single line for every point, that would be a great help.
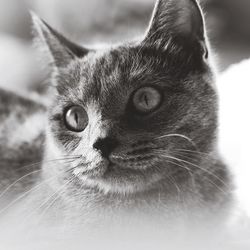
x: 76, y: 119
x: 146, y: 99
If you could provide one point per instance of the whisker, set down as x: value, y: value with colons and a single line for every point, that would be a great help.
x: 173, y: 158
x: 214, y: 184
x: 25, y: 194
x: 18, y: 180
x: 207, y: 171
x: 48, y: 161
x: 193, y: 152
x: 171, y: 179
x: 186, y: 156
x: 219, y: 188
x: 202, y: 169
x: 56, y: 194
x: 178, y: 135
x: 39, y: 163
x: 178, y: 165
x: 30, y: 191
x: 31, y: 173
x: 184, y: 167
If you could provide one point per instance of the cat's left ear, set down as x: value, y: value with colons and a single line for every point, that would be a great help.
x: 177, y: 23
x: 61, y: 49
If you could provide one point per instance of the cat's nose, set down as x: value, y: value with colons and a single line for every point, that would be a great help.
x: 105, y: 146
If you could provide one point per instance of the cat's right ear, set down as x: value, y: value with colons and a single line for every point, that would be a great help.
x: 62, y: 51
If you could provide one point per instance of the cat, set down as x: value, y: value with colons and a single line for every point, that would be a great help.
x: 129, y: 129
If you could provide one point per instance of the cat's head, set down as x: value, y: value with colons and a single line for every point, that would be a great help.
x: 133, y: 114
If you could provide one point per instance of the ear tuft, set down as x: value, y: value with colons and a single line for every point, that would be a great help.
x: 61, y: 49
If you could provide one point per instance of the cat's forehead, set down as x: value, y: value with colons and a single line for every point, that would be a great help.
x: 115, y: 73
x: 114, y: 65
x: 103, y: 74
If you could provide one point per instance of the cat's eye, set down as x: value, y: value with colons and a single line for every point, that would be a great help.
x: 76, y: 118
x: 147, y: 99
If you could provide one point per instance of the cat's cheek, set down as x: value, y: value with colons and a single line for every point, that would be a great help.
x: 53, y: 146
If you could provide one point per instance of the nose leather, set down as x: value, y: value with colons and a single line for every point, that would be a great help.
x: 105, y: 146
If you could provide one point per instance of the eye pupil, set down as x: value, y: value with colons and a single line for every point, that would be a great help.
x: 146, y: 99
x: 76, y: 118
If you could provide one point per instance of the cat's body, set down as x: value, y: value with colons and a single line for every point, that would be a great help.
x: 22, y: 138
x: 142, y: 139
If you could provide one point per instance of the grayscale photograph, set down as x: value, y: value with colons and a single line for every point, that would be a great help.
x: 124, y: 125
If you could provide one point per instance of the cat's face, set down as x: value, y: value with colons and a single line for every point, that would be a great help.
x: 120, y: 110
x: 129, y: 113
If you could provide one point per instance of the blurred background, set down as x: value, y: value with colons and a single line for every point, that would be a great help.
x: 101, y: 21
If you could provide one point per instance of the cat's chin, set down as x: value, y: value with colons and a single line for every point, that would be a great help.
x: 112, y: 178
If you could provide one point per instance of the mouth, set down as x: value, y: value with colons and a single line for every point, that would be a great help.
x: 119, y: 176
x: 94, y: 170
x: 115, y: 166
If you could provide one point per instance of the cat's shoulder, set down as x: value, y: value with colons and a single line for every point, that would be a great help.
x: 22, y: 123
